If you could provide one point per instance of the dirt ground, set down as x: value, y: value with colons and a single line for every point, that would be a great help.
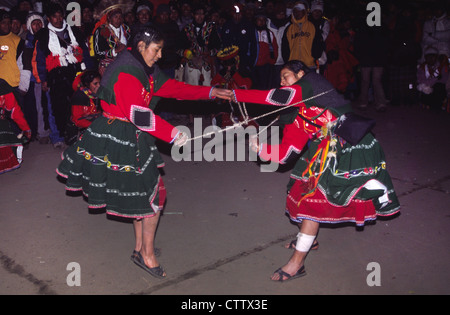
x: 223, y: 229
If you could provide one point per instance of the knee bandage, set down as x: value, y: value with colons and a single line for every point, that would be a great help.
x: 304, y: 242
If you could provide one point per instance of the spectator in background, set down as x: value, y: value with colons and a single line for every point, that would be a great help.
x: 111, y: 36
x: 24, y: 6
x: 277, y: 24
x: 241, y: 33
x: 371, y: 50
x: 85, y: 106
x: 170, y: 58
x: 322, y: 26
x: 33, y: 109
x: 186, y: 15
x: 144, y: 14
x: 61, y: 51
x: 341, y: 62
x: 11, y: 61
x: 298, y: 37
x: 87, y: 18
x: 175, y: 15
x: 201, y: 43
x: 436, y: 32
x: 18, y: 23
x: 405, y: 52
x: 263, y: 72
x: 432, y: 76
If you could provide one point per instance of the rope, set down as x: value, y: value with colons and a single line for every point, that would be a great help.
x: 247, y: 119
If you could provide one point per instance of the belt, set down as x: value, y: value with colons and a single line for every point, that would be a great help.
x: 112, y: 118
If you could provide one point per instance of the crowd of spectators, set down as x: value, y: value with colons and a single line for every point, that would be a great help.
x: 401, y: 61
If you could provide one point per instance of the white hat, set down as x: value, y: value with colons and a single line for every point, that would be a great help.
x: 31, y: 17
x: 317, y: 5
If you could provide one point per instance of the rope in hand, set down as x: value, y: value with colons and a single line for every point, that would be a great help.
x: 247, y: 119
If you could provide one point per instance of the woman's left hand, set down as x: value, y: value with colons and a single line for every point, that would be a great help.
x: 254, y: 144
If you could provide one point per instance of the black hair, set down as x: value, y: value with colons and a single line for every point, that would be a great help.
x: 148, y: 35
x: 4, y: 15
x: 295, y: 66
x: 51, y: 8
x: 88, y: 76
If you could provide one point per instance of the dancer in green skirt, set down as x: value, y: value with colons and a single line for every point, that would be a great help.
x: 115, y: 162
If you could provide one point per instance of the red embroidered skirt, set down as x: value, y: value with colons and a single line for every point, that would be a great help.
x: 317, y: 208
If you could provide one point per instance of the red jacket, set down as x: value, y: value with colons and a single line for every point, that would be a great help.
x: 132, y: 99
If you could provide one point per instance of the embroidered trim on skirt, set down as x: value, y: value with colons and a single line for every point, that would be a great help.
x: 115, y: 165
x: 355, y: 186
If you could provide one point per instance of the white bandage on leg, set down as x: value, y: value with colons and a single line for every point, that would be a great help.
x: 304, y: 242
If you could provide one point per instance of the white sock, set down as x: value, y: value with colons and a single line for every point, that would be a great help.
x: 304, y: 242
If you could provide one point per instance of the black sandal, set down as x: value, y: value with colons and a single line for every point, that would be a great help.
x: 157, y: 272
x: 300, y: 273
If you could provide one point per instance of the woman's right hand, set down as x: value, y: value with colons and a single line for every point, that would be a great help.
x: 223, y: 94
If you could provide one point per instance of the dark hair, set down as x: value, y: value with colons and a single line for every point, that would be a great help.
x: 295, y: 66
x: 148, y: 35
x: 88, y: 76
x: 51, y: 8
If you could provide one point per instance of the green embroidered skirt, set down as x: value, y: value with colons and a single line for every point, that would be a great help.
x: 355, y: 185
x: 115, y: 165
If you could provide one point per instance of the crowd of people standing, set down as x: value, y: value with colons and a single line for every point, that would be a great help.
x: 403, y: 61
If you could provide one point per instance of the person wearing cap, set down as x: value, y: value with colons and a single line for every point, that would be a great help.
x: 62, y: 52
x: 143, y: 11
x: 298, y: 37
x: 110, y: 37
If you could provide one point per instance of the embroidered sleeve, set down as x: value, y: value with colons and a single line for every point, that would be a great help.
x: 279, y: 97
x: 133, y: 101
x: 143, y: 118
